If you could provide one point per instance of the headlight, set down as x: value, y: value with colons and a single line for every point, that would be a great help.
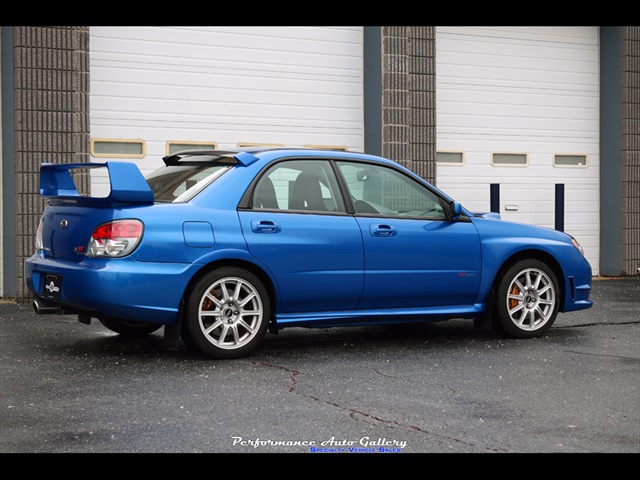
x: 577, y: 245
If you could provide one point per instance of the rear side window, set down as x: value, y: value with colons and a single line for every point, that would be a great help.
x: 299, y: 185
x: 180, y: 183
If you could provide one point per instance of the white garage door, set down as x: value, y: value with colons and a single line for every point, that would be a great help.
x: 290, y: 86
x: 528, y: 91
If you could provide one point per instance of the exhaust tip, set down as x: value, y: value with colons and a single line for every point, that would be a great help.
x: 41, y: 307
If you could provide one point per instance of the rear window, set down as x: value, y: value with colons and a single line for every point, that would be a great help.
x: 180, y: 183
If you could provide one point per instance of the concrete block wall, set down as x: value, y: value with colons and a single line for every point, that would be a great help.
x: 630, y: 174
x: 409, y: 98
x: 51, y: 117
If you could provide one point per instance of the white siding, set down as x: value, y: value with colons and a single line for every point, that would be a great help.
x: 531, y: 90
x: 283, y: 85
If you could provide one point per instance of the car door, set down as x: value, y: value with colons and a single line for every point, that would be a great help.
x: 298, y: 228
x: 414, y: 256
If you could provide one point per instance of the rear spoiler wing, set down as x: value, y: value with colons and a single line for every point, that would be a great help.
x: 128, y: 185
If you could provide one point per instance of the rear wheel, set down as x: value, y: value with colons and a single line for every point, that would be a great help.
x: 227, y: 314
x: 128, y: 328
x: 527, y: 299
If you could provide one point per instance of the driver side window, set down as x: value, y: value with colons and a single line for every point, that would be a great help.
x: 382, y: 190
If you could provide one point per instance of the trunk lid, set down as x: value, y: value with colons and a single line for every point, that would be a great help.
x: 70, y: 218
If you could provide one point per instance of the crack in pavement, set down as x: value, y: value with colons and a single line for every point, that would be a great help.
x: 602, y: 355
x: 397, y: 377
x: 353, y: 413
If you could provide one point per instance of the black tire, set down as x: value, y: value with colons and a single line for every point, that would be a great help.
x: 527, y: 299
x: 227, y: 315
x: 128, y: 328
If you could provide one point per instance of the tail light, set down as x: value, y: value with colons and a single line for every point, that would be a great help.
x: 115, y: 239
x: 39, y: 244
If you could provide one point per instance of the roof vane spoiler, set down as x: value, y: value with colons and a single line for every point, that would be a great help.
x: 242, y: 155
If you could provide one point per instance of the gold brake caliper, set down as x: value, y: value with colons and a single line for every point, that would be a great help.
x: 208, y: 304
x: 513, y: 303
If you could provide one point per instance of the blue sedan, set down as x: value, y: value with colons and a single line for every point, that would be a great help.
x: 219, y: 247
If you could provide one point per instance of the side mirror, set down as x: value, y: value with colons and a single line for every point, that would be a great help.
x: 455, y: 210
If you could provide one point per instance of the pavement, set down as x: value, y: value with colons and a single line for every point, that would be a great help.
x: 431, y: 388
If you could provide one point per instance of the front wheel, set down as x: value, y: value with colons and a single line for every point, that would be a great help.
x: 228, y: 313
x: 527, y: 299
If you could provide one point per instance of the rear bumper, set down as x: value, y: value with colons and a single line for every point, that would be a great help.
x: 117, y: 288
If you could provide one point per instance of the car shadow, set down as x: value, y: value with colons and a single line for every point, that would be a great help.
x: 296, y: 341
x: 405, y: 335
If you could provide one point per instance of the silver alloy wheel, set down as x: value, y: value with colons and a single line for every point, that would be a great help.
x: 531, y: 299
x: 230, y: 313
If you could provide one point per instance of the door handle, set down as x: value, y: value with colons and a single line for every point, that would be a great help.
x: 382, y: 230
x: 265, y: 226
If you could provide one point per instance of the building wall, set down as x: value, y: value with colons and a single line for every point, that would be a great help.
x: 409, y: 98
x: 51, y: 121
x: 630, y: 173
x: 51, y: 114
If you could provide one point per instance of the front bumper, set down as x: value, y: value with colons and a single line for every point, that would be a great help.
x: 578, y: 279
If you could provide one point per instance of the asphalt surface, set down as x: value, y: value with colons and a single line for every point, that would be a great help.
x: 443, y: 387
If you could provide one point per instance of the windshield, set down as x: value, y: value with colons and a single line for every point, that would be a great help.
x: 180, y: 183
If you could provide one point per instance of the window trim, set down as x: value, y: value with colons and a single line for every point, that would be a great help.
x: 452, y: 164
x: 95, y: 154
x: 259, y: 144
x: 338, y: 148
x: 581, y: 155
x: 188, y: 145
x: 510, y: 165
